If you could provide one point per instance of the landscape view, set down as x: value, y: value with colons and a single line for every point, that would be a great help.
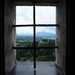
x: 43, y: 39
x: 45, y: 36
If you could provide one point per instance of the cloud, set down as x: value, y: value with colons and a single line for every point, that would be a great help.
x: 24, y: 15
x: 23, y: 20
x: 30, y: 30
x: 24, y: 30
x: 46, y: 29
x: 44, y: 15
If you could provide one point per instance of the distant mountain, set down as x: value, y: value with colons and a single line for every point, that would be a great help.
x: 45, y: 34
x: 24, y: 34
x: 38, y: 34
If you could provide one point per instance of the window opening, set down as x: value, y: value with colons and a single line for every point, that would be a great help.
x: 35, y: 33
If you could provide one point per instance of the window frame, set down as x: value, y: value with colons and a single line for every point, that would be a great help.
x: 34, y: 38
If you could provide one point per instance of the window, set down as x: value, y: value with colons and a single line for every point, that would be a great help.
x: 38, y: 25
x: 24, y: 15
x: 45, y: 15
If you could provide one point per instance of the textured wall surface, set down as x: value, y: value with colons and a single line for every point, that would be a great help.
x: 9, y: 37
x: 61, y: 35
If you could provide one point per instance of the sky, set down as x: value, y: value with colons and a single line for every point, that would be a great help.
x: 43, y: 15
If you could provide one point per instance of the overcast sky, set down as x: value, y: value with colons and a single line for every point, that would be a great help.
x: 43, y: 15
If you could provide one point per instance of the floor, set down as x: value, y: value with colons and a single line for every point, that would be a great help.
x: 42, y: 68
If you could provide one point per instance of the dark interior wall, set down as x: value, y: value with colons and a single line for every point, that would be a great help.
x: 37, y: 2
x: 9, y: 36
x: 61, y: 35
x: 6, y: 17
x: 51, y: 1
x: 70, y: 37
x: 1, y: 38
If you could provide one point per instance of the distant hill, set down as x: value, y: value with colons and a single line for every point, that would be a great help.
x: 45, y: 34
x: 38, y: 34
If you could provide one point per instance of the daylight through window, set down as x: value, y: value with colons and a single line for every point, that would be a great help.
x: 35, y: 33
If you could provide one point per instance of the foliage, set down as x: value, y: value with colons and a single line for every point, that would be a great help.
x: 41, y: 54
